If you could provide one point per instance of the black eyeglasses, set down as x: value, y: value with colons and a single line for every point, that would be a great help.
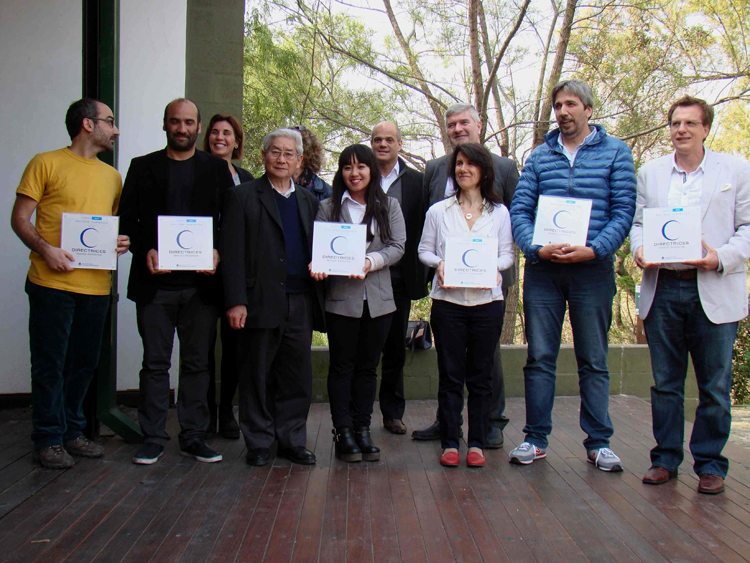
x: 110, y: 120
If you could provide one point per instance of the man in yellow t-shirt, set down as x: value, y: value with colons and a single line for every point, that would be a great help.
x: 67, y: 306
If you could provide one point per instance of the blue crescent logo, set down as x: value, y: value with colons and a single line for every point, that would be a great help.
x: 179, y: 242
x: 664, y: 229
x: 554, y: 219
x: 342, y: 246
x: 465, y: 258
x: 83, y: 234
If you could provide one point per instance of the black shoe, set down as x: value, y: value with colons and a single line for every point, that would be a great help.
x: 148, y: 454
x: 494, y: 439
x: 345, y: 445
x: 431, y: 432
x: 362, y: 437
x: 228, y: 426
x: 258, y: 457
x: 297, y: 454
x: 394, y: 425
x: 198, y: 450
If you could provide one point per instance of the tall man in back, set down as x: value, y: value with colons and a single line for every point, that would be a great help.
x: 578, y: 160
x: 67, y: 306
x: 694, y: 307
x: 464, y: 126
x: 177, y: 180
x: 408, y: 275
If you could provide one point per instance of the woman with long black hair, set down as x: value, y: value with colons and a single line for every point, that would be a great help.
x: 359, y: 308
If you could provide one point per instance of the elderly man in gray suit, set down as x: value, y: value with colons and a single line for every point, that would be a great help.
x: 464, y: 126
x: 694, y: 307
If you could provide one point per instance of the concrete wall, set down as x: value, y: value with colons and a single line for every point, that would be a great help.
x: 215, y: 40
x: 41, y: 70
x: 629, y: 366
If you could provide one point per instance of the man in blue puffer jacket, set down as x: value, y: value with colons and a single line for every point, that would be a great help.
x: 577, y: 160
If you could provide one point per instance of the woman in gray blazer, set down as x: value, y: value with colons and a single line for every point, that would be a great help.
x: 359, y: 308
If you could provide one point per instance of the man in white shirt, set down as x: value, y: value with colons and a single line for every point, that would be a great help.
x: 408, y: 275
x: 694, y: 307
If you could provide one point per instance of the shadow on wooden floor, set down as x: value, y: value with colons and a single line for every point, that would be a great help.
x: 404, y: 508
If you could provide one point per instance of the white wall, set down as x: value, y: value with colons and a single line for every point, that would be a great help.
x: 41, y: 75
x: 152, y: 73
x: 40, y: 67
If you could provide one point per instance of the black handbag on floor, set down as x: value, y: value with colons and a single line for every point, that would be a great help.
x: 418, y: 335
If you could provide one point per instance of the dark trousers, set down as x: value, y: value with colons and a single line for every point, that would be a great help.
x: 392, y: 401
x: 676, y: 326
x: 275, y: 373
x: 355, y: 345
x: 466, y: 339
x: 229, y: 378
x: 195, y: 322
x: 65, y: 335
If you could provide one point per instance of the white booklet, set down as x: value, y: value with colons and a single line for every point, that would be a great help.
x: 339, y: 248
x: 561, y: 220
x: 672, y: 234
x: 185, y: 243
x: 91, y: 239
x: 470, y: 262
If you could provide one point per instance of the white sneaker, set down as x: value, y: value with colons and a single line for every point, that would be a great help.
x: 604, y: 459
x: 526, y: 453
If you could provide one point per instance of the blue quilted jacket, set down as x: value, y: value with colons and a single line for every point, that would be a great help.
x: 603, y: 171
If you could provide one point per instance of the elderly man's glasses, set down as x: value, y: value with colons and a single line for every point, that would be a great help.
x: 110, y: 120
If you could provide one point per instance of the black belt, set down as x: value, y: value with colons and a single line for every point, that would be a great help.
x: 691, y: 274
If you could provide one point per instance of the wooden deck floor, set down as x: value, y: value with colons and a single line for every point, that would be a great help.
x: 404, y: 508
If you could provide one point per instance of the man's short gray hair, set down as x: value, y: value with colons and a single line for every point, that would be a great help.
x: 289, y: 133
x: 398, y: 130
x: 576, y: 87
x: 460, y: 108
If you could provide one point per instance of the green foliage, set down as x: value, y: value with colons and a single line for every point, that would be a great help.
x: 741, y: 364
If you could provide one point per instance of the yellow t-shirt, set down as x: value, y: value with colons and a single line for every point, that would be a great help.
x: 61, y: 181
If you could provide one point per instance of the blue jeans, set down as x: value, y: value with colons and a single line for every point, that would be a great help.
x: 588, y: 289
x: 675, y: 327
x: 65, y: 335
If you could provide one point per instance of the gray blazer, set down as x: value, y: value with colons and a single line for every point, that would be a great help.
x: 344, y: 296
x: 725, y: 226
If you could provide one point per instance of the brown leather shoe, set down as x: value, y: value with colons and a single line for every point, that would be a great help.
x: 394, y: 426
x: 710, y: 484
x: 658, y: 475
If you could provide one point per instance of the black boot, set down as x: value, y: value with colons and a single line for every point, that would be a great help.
x: 228, y: 426
x: 346, y: 447
x: 362, y: 436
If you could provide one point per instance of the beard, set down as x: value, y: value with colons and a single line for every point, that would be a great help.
x: 184, y: 143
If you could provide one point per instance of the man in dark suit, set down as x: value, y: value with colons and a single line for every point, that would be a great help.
x: 464, y: 126
x: 408, y: 275
x: 177, y: 180
x: 272, y: 301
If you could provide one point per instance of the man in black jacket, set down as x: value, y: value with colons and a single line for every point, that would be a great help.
x: 272, y: 301
x: 408, y: 275
x: 177, y: 180
x: 464, y: 126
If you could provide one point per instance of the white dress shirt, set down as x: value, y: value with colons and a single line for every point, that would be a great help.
x: 386, y: 181
x: 571, y: 156
x: 445, y: 219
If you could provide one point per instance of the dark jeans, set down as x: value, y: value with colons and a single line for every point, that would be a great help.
x: 588, y: 290
x: 229, y: 377
x: 677, y: 326
x: 65, y: 335
x: 466, y: 339
x: 195, y: 322
x: 275, y: 372
x: 355, y: 345
x: 392, y: 401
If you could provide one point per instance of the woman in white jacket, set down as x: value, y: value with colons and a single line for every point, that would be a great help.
x: 466, y: 321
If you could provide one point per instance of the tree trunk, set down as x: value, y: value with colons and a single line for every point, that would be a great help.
x: 476, y: 62
x: 504, y: 143
x: 542, y: 126
x: 511, y: 306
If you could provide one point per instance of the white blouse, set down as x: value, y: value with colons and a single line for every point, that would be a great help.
x: 445, y: 219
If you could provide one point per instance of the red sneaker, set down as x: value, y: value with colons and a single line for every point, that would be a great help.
x: 449, y: 459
